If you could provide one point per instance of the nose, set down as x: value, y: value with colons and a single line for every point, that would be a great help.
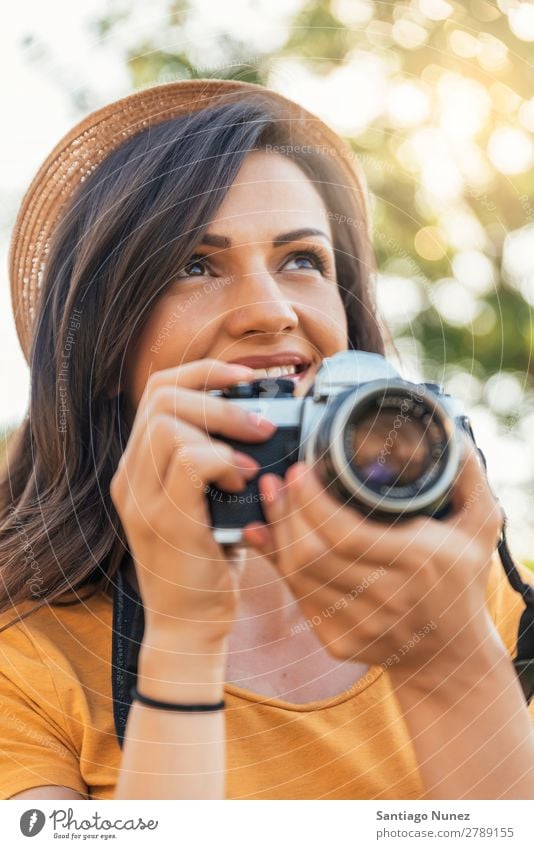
x: 259, y: 305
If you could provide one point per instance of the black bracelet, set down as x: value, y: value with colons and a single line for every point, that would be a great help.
x: 145, y: 700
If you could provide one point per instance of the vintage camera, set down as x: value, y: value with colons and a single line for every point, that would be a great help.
x: 389, y: 447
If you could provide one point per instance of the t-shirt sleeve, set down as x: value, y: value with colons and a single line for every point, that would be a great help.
x: 506, y: 606
x: 35, y: 746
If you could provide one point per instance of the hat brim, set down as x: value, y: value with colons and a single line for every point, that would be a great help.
x: 82, y: 149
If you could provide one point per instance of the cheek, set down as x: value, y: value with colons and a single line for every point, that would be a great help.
x: 325, y: 322
x: 176, y: 332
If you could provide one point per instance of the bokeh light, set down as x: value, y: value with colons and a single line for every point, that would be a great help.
x: 475, y: 270
x: 521, y: 17
x: 511, y: 150
x: 435, y: 97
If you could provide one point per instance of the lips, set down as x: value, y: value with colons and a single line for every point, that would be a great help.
x: 289, y: 364
x: 283, y: 358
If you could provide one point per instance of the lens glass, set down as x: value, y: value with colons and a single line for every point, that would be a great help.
x: 395, y: 445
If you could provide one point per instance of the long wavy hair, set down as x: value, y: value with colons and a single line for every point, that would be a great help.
x: 132, y: 223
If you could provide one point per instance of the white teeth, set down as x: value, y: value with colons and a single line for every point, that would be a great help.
x: 274, y: 371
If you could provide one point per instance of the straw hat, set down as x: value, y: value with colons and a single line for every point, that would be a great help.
x: 101, y: 132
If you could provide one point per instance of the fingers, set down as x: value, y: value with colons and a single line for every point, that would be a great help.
x: 163, y: 387
x: 201, y: 460
x: 260, y: 537
x: 315, y: 574
x: 344, y: 528
x: 144, y: 462
x: 474, y: 507
x: 216, y: 415
x: 272, y: 539
x: 200, y: 374
x: 197, y: 464
x: 298, y: 541
x: 287, y: 540
x: 173, y: 416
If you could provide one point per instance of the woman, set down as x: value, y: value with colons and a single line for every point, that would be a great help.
x: 179, y: 241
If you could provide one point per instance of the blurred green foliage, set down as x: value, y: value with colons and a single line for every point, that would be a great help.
x: 447, y: 60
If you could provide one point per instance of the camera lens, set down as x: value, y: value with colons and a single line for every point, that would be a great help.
x: 389, y: 447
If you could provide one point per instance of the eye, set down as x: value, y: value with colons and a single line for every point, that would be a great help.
x: 311, y: 257
x: 197, y: 261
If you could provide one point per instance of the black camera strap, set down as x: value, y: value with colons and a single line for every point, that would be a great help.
x: 524, y: 659
x: 128, y: 628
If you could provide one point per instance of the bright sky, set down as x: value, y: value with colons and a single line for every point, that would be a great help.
x: 37, y: 113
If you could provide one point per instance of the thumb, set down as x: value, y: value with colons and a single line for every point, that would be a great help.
x: 261, y: 538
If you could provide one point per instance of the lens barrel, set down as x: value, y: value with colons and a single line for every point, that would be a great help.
x: 389, y: 447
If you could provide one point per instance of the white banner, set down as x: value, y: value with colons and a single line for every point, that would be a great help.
x: 268, y: 825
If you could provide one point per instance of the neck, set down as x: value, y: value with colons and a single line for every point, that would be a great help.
x: 266, y: 603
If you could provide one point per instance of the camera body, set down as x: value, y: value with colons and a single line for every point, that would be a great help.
x: 389, y: 447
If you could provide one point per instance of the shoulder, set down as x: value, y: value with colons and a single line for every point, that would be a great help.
x: 48, y: 656
x: 36, y: 632
x: 55, y: 691
x: 53, y: 679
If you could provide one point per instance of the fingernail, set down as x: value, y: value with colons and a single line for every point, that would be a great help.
x: 260, y: 532
x: 261, y: 423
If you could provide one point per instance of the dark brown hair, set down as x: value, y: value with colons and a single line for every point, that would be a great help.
x: 131, y: 225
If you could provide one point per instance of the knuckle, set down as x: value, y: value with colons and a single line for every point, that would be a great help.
x: 139, y: 515
x: 350, y: 545
x: 128, y: 513
x: 200, y: 370
x: 152, y: 384
x: 496, y: 518
x: 184, y: 454
x: 224, y: 452
x: 116, y: 488
x: 335, y: 652
x: 208, y: 363
x: 158, y: 428
x: 475, y: 550
x: 421, y: 550
x: 157, y: 401
x: 311, y: 549
x: 218, y: 410
x: 148, y: 516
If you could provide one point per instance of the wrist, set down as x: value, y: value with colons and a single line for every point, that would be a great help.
x: 194, y: 638
x: 185, y: 639
x: 472, y: 661
x: 173, y: 673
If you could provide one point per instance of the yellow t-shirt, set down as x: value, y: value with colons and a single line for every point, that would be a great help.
x: 56, y: 717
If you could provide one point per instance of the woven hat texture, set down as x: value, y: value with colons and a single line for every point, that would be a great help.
x: 82, y: 149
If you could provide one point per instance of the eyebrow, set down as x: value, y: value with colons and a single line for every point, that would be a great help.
x: 216, y: 241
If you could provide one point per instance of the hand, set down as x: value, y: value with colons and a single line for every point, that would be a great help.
x: 159, y: 490
x: 397, y: 593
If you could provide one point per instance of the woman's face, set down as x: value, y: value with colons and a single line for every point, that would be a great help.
x: 260, y: 288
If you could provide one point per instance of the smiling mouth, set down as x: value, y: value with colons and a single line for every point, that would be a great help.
x: 292, y: 372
